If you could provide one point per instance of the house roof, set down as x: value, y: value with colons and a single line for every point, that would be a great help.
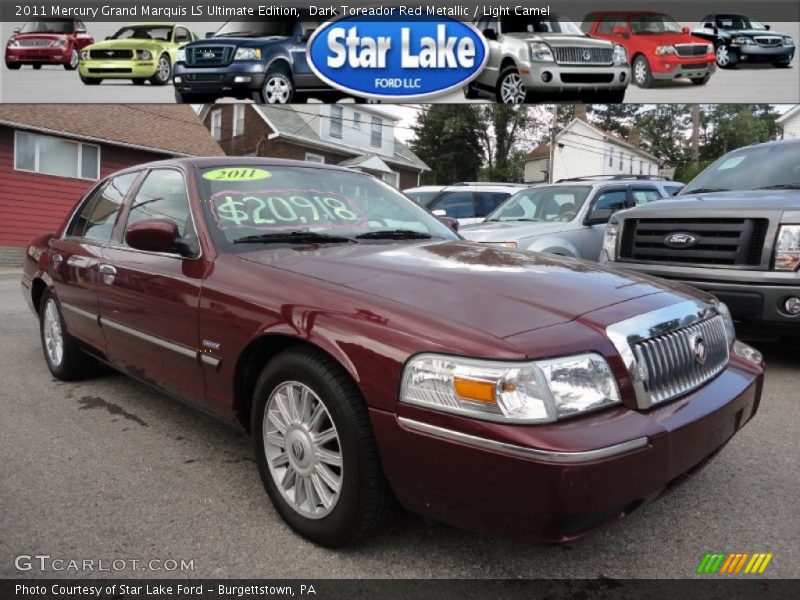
x: 371, y: 162
x: 175, y: 130
x: 789, y: 114
x: 541, y: 151
x: 288, y: 123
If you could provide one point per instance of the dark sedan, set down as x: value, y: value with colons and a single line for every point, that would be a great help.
x: 376, y: 357
x: 738, y: 39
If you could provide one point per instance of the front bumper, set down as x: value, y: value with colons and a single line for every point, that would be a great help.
x: 552, y: 77
x: 117, y: 69
x: 673, y: 67
x: 557, y: 498
x: 756, y: 54
x: 59, y: 55
x: 236, y: 79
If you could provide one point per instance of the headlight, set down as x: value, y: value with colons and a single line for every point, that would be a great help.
x: 248, y: 54
x: 787, y: 41
x: 787, y: 249
x: 541, y: 52
x: 620, y: 55
x: 85, y: 54
x: 59, y: 42
x: 710, y: 49
x: 181, y: 55
x: 13, y: 43
x: 610, y: 240
x: 664, y: 50
x: 730, y: 332
x: 742, y: 41
x: 143, y: 55
x: 522, y: 392
x: 512, y: 245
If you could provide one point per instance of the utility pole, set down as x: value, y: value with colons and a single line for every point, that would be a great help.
x: 695, y: 135
x: 553, y: 127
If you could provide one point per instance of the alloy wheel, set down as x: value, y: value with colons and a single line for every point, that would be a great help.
x: 53, y: 335
x: 277, y: 90
x: 512, y: 89
x: 723, y: 56
x: 164, y: 69
x: 640, y: 72
x: 74, y: 60
x: 303, y: 451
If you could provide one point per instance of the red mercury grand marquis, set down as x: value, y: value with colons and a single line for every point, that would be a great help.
x: 375, y: 356
x: 47, y: 42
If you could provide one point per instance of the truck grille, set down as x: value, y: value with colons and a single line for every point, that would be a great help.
x: 209, y: 56
x: 691, y: 49
x: 671, y: 362
x: 575, y: 55
x: 719, y: 241
x: 768, y: 41
x: 111, y: 54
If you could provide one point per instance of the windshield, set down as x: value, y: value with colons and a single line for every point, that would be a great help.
x: 533, y: 24
x: 738, y: 22
x: 553, y: 204
x: 281, y: 27
x: 271, y: 203
x: 47, y: 27
x: 756, y: 167
x: 652, y: 24
x: 144, y: 32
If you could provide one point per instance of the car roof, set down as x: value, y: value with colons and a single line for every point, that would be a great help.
x: 484, y: 187
x: 424, y: 188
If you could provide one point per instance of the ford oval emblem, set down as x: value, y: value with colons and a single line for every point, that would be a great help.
x: 680, y: 240
x: 396, y: 60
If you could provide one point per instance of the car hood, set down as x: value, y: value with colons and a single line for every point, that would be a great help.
x: 243, y: 41
x: 757, y: 201
x: 561, y: 39
x: 509, y: 231
x: 129, y: 44
x: 499, y: 292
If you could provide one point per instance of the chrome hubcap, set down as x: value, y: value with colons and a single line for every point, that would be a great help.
x: 163, y: 69
x: 74, y: 59
x: 303, y: 450
x: 640, y: 72
x: 512, y: 89
x: 722, y: 56
x: 53, y: 338
x: 277, y: 90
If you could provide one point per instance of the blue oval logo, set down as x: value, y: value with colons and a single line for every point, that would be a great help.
x: 396, y: 60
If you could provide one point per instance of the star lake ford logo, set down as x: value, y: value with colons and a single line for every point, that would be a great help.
x: 680, y: 239
x: 396, y: 60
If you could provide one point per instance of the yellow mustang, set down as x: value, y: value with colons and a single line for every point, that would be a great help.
x: 142, y: 52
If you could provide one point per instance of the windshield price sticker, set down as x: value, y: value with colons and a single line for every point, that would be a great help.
x: 237, y: 174
x: 283, y: 209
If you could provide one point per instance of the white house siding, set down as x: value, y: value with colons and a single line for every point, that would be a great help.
x: 536, y: 170
x: 791, y: 126
x: 355, y: 134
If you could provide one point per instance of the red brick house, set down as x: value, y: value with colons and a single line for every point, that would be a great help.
x: 353, y: 135
x: 50, y: 154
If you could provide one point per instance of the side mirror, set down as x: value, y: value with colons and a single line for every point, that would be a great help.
x: 598, y: 216
x: 210, y: 34
x: 450, y: 222
x: 438, y: 213
x: 620, y: 31
x: 708, y: 26
x: 16, y: 30
x: 109, y: 37
x: 767, y: 27
x: 686, y: 31
x: 153, y: 235
x: 490, y: 34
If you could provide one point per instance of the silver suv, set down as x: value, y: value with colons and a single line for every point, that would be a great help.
x: 532, y: 54
x: 566, y: 218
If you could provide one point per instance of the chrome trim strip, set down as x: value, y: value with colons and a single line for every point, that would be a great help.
x: 177, y: 348
x: 211, y: 361
x: 522, y: 451
x: 79, y: 311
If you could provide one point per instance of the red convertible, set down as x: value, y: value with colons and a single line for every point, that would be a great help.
x: 377, y: 357
x: 47, y: 42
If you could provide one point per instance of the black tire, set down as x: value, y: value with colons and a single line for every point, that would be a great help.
x: 471, y: 92
x: 726, y: 58
x: 510, y: 80
x: 75, y: 363
x: 641, y: 72
x: 90, y: 80
x: 37, y: 66
x: 74, y: 60
x: 782, y: 65
x: 278, y: 87
x: 365, y: 500
x: 138, y: 81
x: 13, y: 67
x: 701, y: 80
x: 163, y: 73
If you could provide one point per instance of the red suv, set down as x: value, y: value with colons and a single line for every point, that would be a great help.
x: 658, y: 47
x: 47, y: 42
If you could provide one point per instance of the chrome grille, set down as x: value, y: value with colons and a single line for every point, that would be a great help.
x: 575, y: 55
x: 209, y: 56
x: 768, y: 41
x: 111, y: 54
x: 691, y: 49
x: 670, y: 362
x: 34, y: 43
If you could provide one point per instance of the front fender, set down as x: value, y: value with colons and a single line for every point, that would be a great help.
x: 553, y: 245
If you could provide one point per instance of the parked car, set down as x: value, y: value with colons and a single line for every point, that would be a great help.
x: 658, y: 47
x: 47, y: 42
x: 734, y: 231
x: 260, y: 60
x: 375, y: 356
x: 422, y: 195
x: 141, y: 52
x: 530, y: 55
x: 566, y: 218
x: 740, y: 39
x: 470, y: 202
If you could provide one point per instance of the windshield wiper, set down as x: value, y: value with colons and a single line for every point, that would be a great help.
x: 781, y: 186
x: 394, y: 234
x: 704, y: 191
x: 293, y: 237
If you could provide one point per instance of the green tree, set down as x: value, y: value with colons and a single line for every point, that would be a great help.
x: 730, y: 126
x: 447, y: 139
x: 504, y: 131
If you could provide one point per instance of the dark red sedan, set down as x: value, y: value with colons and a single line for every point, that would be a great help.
x: 375, y: 356
x: 47, y: 42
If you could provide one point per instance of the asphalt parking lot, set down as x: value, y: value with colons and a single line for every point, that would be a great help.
x: 109, y: 469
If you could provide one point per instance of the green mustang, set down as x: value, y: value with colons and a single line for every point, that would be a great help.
x: 140, y: 52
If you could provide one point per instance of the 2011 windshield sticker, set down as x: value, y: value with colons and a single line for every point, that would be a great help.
x: 277, y: 210
x: 237, y: 174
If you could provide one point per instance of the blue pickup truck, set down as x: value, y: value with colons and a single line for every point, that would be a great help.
x: 260, y: 60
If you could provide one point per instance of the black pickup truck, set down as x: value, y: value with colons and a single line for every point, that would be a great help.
x: 734, y: 231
